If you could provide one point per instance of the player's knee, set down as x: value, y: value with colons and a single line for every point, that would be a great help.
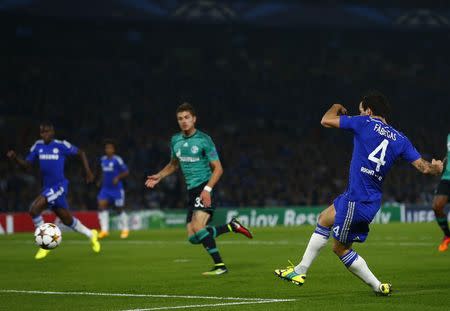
x: 438, y: 205
x: 68, y: 221
x: 338, y: 250
x: 196, y: 227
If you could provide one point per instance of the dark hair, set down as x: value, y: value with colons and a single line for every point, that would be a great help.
x: 46, y: 123
x: 378, y: 103
x: 186, y: 107
x: 109, y: 141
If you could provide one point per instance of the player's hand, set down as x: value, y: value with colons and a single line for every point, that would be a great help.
x: 341, y: 110
x: 115, y: 181
x: 11, y: 154
x: 205, y: 198
x: 152, y: 180
x: 89, y: 177
x: 438, y: 164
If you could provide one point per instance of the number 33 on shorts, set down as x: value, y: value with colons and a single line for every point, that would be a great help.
x: 198, y: 202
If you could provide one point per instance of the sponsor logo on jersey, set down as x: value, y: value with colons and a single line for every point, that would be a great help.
x: 189, y: 159
x: 49, y: 157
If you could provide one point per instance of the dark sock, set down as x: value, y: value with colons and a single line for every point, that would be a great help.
x: 210, y: 245
x: 208, y: 242
x: 219, y: 230
x: 443, y: 224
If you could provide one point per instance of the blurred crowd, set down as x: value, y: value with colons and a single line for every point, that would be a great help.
x: 262, y: 108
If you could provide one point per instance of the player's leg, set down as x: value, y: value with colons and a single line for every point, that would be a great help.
x: 352, y: 225
x: 36, y: 209
x: 439, y: 202
x: 318, y: 240
x: 358, y: 266
x: 123, y: 216
x: 199, y: 234
x: 233, y: 226
x: 103, y: 213
x: 66, y: 217
x: 103, y: 218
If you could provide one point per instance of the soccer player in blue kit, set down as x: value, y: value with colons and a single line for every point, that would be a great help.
x: 376, y: 147
x: 114, y: 170
x: 51, y: 154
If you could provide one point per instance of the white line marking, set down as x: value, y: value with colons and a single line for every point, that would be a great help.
x: 210, y: 305
x: 139, y: 295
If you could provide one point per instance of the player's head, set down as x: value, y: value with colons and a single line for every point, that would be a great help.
x: 186, y: 117
x: 47, y: 131
x: 375, y: 104
x: 110, y: 147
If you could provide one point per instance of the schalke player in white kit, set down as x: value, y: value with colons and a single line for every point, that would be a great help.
x: 376, y: 147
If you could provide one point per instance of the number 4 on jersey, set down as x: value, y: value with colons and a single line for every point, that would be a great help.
x: 379, y: 161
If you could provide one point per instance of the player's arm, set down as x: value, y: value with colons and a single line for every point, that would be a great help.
x: 331, y: 118
x: 170, y: 168
x: 121, y: 176
x: 425, y: 167
x: 11, y: 154
x: 217, y: 171
x: 89, y: 175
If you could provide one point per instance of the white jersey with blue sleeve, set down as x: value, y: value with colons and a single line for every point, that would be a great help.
x: 376, y: 147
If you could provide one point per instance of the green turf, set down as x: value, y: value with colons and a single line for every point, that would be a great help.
x: 162, y: 262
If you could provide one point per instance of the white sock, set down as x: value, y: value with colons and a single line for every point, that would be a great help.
x: 103, y: 217
x: 79, y: 227
x: 316, y: 243
x: 38, y: 220
x: 124, y: 220
x: 359, y: 268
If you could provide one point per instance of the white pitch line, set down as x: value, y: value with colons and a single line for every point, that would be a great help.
x: 211, y: 305
x: 139, y: 295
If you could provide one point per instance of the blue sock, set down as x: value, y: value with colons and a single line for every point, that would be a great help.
x: 324, y: 231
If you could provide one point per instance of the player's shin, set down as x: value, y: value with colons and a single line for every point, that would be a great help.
x: 124, y: 221
x: 209, y: 244
x: 103, y: 217
x: 358, y: 266
x: 317, y: 241
x: 218, y: 230
x: 79, y: 227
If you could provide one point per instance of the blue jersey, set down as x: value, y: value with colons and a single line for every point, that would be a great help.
x: 112, y: 167
x: 51, y: 158
x: 376, y: 147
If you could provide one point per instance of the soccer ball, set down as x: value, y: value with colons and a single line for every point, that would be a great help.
x: 48, y: 236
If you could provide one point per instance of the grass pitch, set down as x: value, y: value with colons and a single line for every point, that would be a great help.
x: 160, y: 270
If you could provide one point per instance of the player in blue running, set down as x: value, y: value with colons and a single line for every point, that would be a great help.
x: 112, y: 192
x: 376, y: 147
x: 51, y: 154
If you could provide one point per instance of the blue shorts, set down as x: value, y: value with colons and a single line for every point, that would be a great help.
x: 113, y: 196
x: 56, y: 195
x: 351, y: 223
